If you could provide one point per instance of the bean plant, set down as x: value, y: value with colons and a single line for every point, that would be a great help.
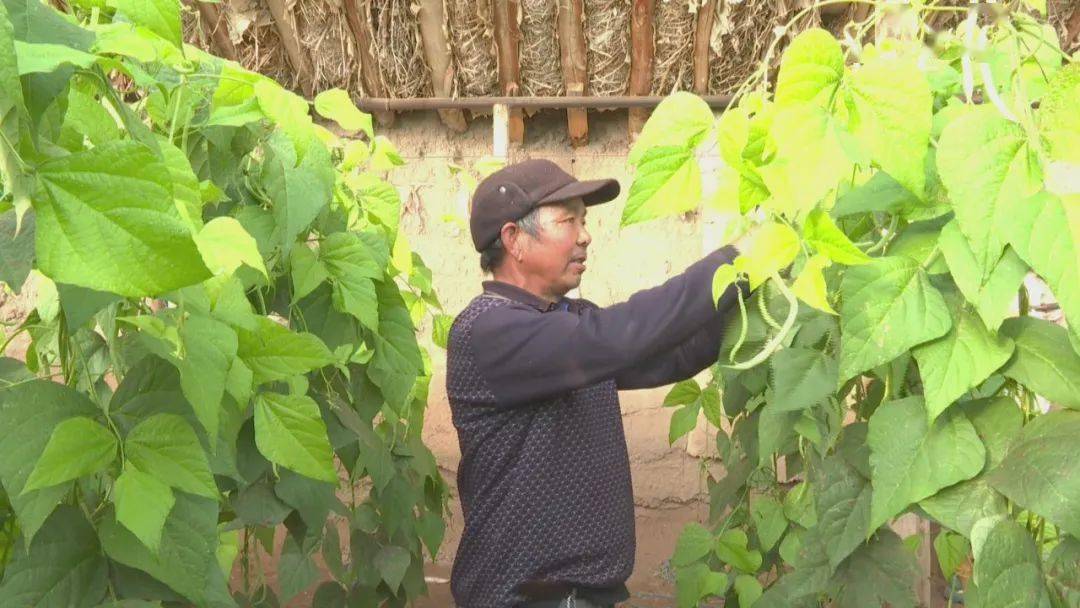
x: 897, y: 193
x: 223, y: 338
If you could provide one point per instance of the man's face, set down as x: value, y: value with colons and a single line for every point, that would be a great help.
x: 555, y: 258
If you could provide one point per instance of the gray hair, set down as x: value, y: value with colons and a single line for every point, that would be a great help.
x: 492, y: 257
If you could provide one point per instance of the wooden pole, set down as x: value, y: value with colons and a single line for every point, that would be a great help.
x: 286, y: 27
x: 641, y: 59
x: 507, y: 15
x: 701, y: 46
x: 356, y: 16
x: 432, y: 20
x: 213, y: 23
x: 571, y: 16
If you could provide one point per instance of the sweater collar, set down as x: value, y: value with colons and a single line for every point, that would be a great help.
x: 513, y: 292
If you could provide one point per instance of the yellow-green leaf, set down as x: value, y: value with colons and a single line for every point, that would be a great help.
x: 810, y: 285
x: 225, y: 246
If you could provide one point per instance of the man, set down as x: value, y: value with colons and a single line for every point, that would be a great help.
x: 532, y: 378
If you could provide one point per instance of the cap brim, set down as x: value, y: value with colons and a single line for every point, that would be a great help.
x: 591, y: 191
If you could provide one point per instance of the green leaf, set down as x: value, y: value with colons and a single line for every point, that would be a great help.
x: 668, y: 182
x: 683, y: 420
x: 11, y: 94
x: 1040, y: 471
x: 336, y: 105
x: 985, y: 163
x: 81, y: 304
x: 106, y: 221
x: 289, y: 112
x: 993, y: 297
x: 1063, y: 571
x: 225, y: 246
x: 810, y: 160
x: 307, y: 272
x: 1057, y: 117
x: 801, y: 378
x: 1008, y: 569
x: 810, y: 286
x: 296, y: 570
x: 16, y: 249
x: 290, y: 432
x: 773, y: 248
x: 821, y: 233
x: 683, y: 393
x: 952, y: 551
x: 159, y: 16
x: 166, y: 447
x: 958, y: 507
x: 769, y: 521
x: 186, y: 557
x: 696, y: 583
x: 883, y: 570
x: 682, y: 119
x: 731, y: 548
x: 209, y: 351
x: 888, y: 307
x: 142, y: 504
x: 842, y: 498
x: 431, y: 529
x: 440, y: 330
x: 694, y: 543
x: 352, y: 268
x: 1045, y: 361
x: 1045, y: 230
x: 379, y: 199
x: 397, y: 362
x: 810, y: 69
x: 894, y: 109
x: 29, y: 411
x: 959, y: 361
x: 299, y: 188
x: 312, y: 499
x: 273, y: 352
x: 392, y: 562
x: 911, y: 459
x: 879, y: 193
x: 997, y: 420
x: 747, y: 589
x: 384, y: 155
x: 43, y: 58
x: 78, y: 446
x: 62, y: 567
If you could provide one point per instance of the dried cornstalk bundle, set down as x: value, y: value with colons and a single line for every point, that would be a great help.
x: 194, y: 32
x: 607, y: 36
x: 323, y: 31
x: 258, y: 45
x: 673, y: 55
x: 541, y: 65
x: 395, y: 42
x: 1058, y: 13
x: 742, y: 32
x: 473, y: 46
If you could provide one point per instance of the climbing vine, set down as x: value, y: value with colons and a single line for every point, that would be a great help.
x: 224, y: 333
x: 897, y: 193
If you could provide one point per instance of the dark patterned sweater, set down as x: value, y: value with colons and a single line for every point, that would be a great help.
x: 544, y: 478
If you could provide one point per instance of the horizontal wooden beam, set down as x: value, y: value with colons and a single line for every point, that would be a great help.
x: 373, y: 104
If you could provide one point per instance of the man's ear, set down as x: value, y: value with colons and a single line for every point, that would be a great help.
x: 510, y: 234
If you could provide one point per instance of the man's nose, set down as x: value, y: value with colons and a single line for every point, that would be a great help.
x: 584, y: 238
